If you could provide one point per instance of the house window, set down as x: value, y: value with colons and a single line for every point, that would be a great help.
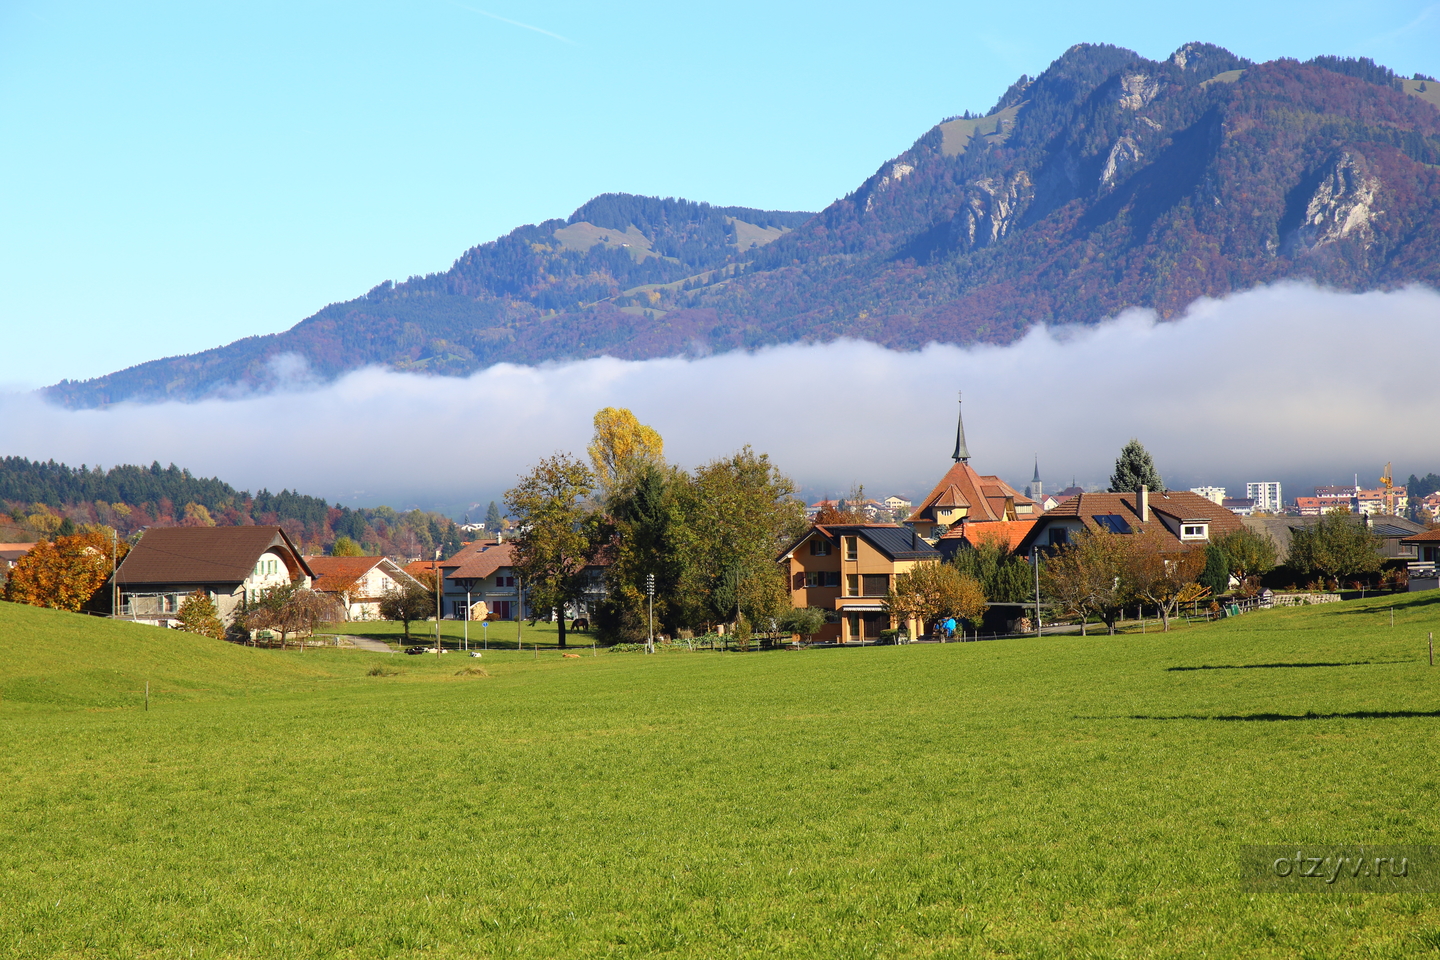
x: 819, y: 548
x: 823, y: 578
x: 854, y: 619
x: 1193, y: 531
x: 852, y: 548
x: 1059, y: 536
x: 875, y: 584
x: 504, y: 581
x: 852, y: 585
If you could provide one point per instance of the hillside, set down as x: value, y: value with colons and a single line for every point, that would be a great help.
x: 1108, y: 181
x: 38, y: 499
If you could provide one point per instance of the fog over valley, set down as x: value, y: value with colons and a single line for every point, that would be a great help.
x: 1288, y: 382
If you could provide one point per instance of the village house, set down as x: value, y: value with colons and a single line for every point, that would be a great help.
x: 358, y: 583
x: 1186, y: 518
x: 10, y: 554
x: 965, y: 497
x: 481, y: 580
x: 230, y: 564
x: 848, y: 569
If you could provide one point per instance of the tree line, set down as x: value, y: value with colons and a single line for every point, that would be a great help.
x: 44, y: 499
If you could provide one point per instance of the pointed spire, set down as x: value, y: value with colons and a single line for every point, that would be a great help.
x: 962, y: 452
x: 1036, y: 479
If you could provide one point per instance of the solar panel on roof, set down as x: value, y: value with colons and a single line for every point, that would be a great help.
x: 1112, y: 522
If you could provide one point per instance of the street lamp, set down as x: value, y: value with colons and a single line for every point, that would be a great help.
x: 439, y: 590
x: 650, y: 594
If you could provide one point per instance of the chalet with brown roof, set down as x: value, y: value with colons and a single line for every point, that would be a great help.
x: 359, y: 583
x: 231, y: 564
x: 965, y: 497
x: 849, y: 569
x: 483, y: 573
x: 1187, y: 518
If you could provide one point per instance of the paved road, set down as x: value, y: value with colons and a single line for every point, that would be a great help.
x: 365, y: 643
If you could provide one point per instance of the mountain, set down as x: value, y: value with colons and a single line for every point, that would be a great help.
x: 1109, y: 181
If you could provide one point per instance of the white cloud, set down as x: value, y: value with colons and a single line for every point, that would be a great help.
x: 1286, y: 382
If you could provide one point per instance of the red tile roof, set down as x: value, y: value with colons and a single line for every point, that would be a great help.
x: 479, y: 563
x: 962, y: 487
x: 1009, y: 535
x: 337, y: 573
x: 1179, y: 505
x: 1429, y: 536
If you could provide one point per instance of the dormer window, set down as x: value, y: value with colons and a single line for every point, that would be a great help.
x: 1194, y: 531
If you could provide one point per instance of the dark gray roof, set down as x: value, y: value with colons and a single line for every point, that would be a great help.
x: 1394, y: 527
x: 897, y: 543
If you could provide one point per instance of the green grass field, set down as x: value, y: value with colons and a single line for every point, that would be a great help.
x: 1063, y: 797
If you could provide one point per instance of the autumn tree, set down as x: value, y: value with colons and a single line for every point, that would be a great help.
x: 288, y: 609
x: 1249, y: 552
x: 199, y: 615
x: 1088, y: 577
x: 1135, y: 468
x: 559, y: 537
x: 66, y: 573
x: 931, y: 592
x: 414, y: 601
x: 849, y: 509
x: 1338, y: 544
x: 621, y: 445
x: 733, y: 516
x: 1159, y: 571
x: 346, y: 547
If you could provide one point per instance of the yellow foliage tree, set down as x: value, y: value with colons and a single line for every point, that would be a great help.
x: 197, y: 516
x: 621, y: 445
x: 65, y: 574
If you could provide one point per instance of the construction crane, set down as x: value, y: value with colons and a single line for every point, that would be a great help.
x: 1388, y: 482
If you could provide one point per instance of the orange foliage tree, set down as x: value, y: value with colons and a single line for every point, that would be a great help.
x: 64, y: 574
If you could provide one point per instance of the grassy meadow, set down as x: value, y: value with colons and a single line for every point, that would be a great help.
x: 1063, y: 797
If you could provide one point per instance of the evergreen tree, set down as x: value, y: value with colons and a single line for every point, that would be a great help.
x: 1216, y: 575
x: 492, y: 518
x: 1134, y: 468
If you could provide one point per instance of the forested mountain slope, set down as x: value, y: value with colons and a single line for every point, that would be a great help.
x: 1108, y: 181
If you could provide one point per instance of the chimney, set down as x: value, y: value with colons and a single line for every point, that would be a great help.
x: 1144, y: 504
x: 914, y: 539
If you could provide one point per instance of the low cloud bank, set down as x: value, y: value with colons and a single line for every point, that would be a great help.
x: 1287, y: 382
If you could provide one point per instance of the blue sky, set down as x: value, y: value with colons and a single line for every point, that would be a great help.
x: 175, y: 176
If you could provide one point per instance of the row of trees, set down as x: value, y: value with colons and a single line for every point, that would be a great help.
x: 707, y: 537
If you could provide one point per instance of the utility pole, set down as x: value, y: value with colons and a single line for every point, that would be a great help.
x: 650, y: 591
x: 1035, y: 558
x: 439, y: 591
x: 467, y: 616
x: 114, y: 571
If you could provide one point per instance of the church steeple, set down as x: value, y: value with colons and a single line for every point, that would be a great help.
x: 1037, y: 489
x: 962, y: 452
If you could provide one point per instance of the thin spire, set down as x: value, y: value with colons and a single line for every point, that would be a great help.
x: 962, y: 452
x: 1036, y: 478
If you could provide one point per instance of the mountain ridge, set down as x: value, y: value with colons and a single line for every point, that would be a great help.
x: 1108, y: 181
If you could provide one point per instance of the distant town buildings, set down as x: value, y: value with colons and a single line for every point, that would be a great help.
x: 1266, y: 494
x: 1240, y: 506
x: 1215, y: 495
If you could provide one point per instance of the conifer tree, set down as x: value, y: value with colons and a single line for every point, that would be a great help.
x: 1134, y: 468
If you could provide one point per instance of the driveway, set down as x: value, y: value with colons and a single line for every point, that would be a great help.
x: 365, y: 643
